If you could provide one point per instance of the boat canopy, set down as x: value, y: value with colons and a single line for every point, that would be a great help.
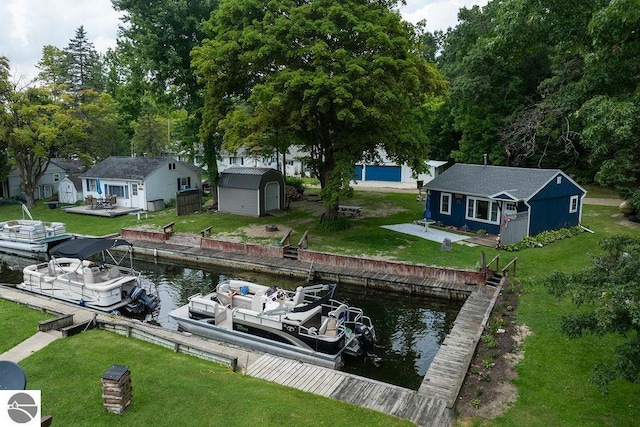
x: 85, y: 248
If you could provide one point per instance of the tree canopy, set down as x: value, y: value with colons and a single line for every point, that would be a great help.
x: 608, y: 294
x: 339, y: 79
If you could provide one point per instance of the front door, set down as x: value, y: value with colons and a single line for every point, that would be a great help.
x: 135, y: 199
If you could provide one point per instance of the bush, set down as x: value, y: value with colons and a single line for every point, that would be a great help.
x: 338, y: 224
x: 296, y: 183
x: 543, y: 239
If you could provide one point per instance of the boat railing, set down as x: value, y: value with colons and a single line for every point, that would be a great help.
x: 250, y: 316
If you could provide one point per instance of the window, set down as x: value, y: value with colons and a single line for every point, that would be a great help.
x: 172, y: 166
x: 134, y: 189
x: 558, y: 180
x: 445, y: 203
x: 482, y: 210
x: 91, y: 185
x: 121, y: 191
x: 235, y: 160
x: 184, y: 183
x: 510, y: 207
x: 56, y: 177
x: 573, y: 204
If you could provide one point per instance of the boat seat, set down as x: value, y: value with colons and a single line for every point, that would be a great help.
x: 257, y: 303
x: 114, y: 272
x: 88, y: 275
x: 328, y: 326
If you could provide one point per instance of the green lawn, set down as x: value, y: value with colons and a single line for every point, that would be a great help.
x: 552, y: 384
x: 172, y: 389
x: 17, y: 323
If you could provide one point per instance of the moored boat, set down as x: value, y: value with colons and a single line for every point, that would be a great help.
x: 31, y: 238
x: 85, y: 272
x: 306, y: 324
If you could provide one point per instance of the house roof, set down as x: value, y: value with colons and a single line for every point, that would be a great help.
x: 70, y: 166
x: 493, y: 181
x: 131, y: 167
x: 243, y: 177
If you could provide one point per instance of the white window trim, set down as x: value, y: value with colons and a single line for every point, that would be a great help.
x: 573, y: 200
x: 442, y: 196
x: 491, y: 203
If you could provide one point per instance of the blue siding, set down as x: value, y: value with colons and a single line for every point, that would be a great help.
x: 458, y: 214
x: 357, y: 174
x: 550, y: 206
x: 383, y: 173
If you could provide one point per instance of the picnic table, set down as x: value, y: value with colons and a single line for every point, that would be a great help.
x: 350, y: 210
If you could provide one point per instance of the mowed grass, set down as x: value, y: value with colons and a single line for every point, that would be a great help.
x: 17, y: 323
x: 172, y: 389
x: 553, y: 387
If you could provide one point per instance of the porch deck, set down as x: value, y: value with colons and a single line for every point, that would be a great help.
x: 113, y: 211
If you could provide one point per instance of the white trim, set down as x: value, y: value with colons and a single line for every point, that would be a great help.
x: 489, y: 211
x: 573, y: 204
x: 442, y: 196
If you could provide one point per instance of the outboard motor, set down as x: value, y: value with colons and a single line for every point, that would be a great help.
x: 144, y: 302
x: 365, y: 337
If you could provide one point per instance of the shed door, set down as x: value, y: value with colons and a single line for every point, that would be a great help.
x: 271, y: 196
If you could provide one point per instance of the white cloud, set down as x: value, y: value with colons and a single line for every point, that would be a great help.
x: 439, y: 14
x: 26, y: 26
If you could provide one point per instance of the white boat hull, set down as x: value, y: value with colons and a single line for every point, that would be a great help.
x: 30, y: 238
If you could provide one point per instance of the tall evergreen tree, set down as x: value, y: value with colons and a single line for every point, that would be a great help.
x: 84, y: 69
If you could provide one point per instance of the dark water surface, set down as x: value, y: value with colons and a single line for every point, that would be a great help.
x: 409, y: 329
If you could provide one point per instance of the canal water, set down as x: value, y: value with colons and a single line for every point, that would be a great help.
x: 409, y: 329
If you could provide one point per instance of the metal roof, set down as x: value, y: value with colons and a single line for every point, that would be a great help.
x: 243, y: 177
x: 490, y: 181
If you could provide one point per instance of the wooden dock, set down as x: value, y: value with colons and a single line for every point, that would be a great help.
x: 449, y: 367
x: 434, y: 402
x: 371, y: 394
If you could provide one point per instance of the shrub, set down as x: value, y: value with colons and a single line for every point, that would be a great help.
x: 296, y: 183
x: 338, y: 224
x: 543, y: 239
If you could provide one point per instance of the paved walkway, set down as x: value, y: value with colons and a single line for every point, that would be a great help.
x: 431, y: 233
x: 36, y: 342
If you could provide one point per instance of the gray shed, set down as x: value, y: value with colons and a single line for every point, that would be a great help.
x: 251, y: 191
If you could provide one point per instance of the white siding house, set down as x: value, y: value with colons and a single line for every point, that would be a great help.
x: 48, y: 184
x: 138, y: 181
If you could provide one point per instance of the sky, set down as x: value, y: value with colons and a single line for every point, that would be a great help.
x: 26, y: 26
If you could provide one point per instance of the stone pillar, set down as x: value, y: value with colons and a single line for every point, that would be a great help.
x: 116, y: 389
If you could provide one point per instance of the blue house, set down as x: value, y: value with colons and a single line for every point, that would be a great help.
x: 512, y: 202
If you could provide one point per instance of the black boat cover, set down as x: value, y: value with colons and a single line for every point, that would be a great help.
x: 85, y: 248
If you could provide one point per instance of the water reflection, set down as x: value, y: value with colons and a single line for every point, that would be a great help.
x: 410, y: 329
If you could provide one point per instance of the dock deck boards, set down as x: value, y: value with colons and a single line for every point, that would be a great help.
x: 390, y: 399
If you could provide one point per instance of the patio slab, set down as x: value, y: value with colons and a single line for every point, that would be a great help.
x: 431, y: 233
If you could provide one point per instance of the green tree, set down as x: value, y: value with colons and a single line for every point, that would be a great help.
x: 149, y: 138
x: 158, y: 38
x: 74, y: 69
x: 5, y: 118
x: 39, y: 126
x: 341, y: 78
x: 84, y: 65
x: 611, y: 115
x: 608, y: 296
